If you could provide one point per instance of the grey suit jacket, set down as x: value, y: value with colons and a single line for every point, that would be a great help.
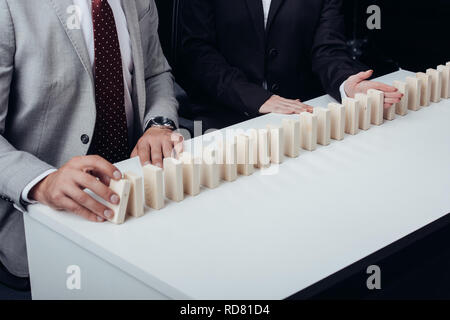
x: 47, y: 98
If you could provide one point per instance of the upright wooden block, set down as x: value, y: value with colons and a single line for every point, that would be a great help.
x: 276, y: 144
x: 245, y: 155
x: 173, y: 178
x: 191, y: 174
x: 401, y: 108
x: 425, y: 89
x: 291, y: 130
x: 122, y: 188
x: 351, y: 115
x: 253, y: 137
x: 323, y: 125
x: 376, y: 98
x: 337, y: 121
x: 229, y: 160
x: 210, y: 176
x: 365, y: 111
x: 445, y: 91
x: 263, y: 149
x: 153, y: 186
x: 135, y: 206
x: 436, y: 85
x: 414, y: 93
x: 308, y: 129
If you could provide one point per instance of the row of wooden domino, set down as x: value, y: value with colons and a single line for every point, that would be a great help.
x: 259, y: 148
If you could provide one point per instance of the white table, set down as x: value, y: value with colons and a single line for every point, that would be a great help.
x: 261, y: 237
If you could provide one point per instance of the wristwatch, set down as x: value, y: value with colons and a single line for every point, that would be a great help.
x: 161, y: 122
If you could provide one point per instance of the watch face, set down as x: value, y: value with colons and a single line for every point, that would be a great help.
x: 164, y: 122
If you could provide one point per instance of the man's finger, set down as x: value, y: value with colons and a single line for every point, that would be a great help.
x: 144, y: 152
x: 157, y: 155
x: 387, y: 105
x: 391, y: 100
x: 394, y: 95
x: 87, y: 181
x: 98, y: 167
x: 86, y: 201
x: 364, y: 75
x: 167, y: 148
x: 69, y: 205
x: 383, y: 87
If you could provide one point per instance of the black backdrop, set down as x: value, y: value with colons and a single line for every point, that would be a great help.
x: 414, y: 34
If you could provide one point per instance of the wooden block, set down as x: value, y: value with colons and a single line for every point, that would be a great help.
x: 263, y: 149
x: 191, y: 174
x: 401, y: 108
x: 376, y: 98
x: 245, y: 155
x: 173, y: 179
x: 153, y: 186
x: 229, y: 160
x: 414, y: 93
x: 308, y: 129
x: 445, y: 91
x: 253, y: 136
x: 364, y: 111
x: 135, y: 206
x: 436, y: 85
x: 425, y: 89
x: 291, y: 131
x: 323, y: 125
x: 276, y: 144
x: 122, y: 189
x: 210, y: 176
x: 351, y: 115
x: 337, y: 121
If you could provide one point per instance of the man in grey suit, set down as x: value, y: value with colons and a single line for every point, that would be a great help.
x: 82, y: 83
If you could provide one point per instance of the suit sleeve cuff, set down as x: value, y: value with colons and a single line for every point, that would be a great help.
x: 30, y: 186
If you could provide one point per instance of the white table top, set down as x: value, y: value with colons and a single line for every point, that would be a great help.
x: 268, y: 237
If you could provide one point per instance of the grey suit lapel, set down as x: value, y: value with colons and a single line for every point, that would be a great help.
x: 129, y: 8
x: 75, y: 35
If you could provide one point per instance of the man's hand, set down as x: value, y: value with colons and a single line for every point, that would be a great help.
x: 156, y: 144
x: 359, y: 84
x: 277, y: 104
x: 63, y: 189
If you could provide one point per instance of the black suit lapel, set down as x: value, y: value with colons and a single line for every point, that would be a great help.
x: 256, y: 10
x: 274, y: 7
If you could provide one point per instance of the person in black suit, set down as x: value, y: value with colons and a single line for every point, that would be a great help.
x: 244, y: 58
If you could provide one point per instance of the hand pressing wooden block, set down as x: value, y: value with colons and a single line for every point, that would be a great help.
x: 376, y: 98
x: 245, y: 155
x: 323, y: 125
x: 173, y: 179
x: 276, y: 144
x: 365, y: 111
x: 436, y: 85
x: 414, y: 93
x: 291, y: 131
x: 136, y: 199
x: 210, y: 176
x: 445, y: 91
x: 229, y: 160
x: 122, y: 189
x: 308, y: 129
x: 191, y: 174
x: 351, y: 115
x: 425, y: 89
x: 337, y: 121
x: 153, y: 186
x: 401, y: 108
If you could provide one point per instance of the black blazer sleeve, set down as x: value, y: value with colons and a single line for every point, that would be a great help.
x: 208, y: 69
x: 331, y: 60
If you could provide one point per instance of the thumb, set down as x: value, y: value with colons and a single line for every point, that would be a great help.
x: 364, y: 75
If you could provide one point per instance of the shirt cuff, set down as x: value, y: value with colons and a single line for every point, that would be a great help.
x: 30, y: 186
x: 342, y: 90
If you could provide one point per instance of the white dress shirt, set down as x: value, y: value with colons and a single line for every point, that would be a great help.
x: 87, y: 28
x: 266, y: 7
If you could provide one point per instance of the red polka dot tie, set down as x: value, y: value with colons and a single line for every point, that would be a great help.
x: 111, y: 134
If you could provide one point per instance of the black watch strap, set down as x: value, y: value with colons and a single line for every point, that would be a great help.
x: 161, y: 122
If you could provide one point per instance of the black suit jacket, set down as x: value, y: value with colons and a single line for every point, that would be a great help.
x: 228, y: 54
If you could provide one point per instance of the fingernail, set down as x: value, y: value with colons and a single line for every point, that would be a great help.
x: 100, y: 219
x: 115, y: 199
x: 109, y: 214
x: 117, y: 175
x: 146, y: 163
x: 159, y: 164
